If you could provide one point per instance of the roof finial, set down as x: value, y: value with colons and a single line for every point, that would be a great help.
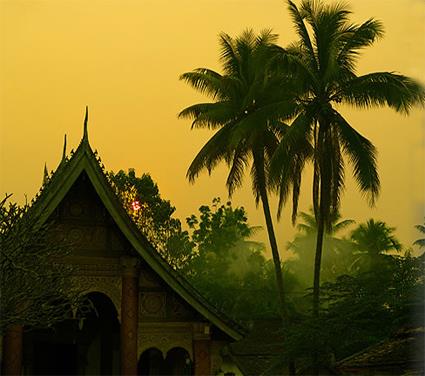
x: 86, y: 119
x: 64, y: 148
x: 45, y: 174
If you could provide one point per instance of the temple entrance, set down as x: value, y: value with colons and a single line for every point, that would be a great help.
x: 177, y: 362
x: 85, y: 345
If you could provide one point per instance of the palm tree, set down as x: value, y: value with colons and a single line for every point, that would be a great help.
x: 246, y: 112
x: 337, y: 258
x: 420, y: 242
x: 324, y: 60
x: 373, y: 240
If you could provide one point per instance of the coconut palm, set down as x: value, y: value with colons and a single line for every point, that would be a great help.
x: 337, y: 258
x: 246, y: 112
x: 373, y: 240
x: 324, y: 60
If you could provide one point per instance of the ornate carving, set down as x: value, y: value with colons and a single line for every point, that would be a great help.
x: 148, y: 279
x: 176, y: 309
x: 130, y: 266
x: 164, y: 339
x: 76, y: 209
x: 75, y: 234
x: 110, y: 286
x: 97, y: 269
x: 152, y: 304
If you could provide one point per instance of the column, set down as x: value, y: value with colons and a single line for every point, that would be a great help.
x: 201, y: 349
x: 12, y: 350
x: 129, y: 315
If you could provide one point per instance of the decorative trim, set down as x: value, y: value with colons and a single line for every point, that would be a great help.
x: 108, y: 285
x: 164, y: 338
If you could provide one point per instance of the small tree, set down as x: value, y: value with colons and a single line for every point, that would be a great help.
x: 153, y: 216
x: 229, y: 268
x: 36, y: 290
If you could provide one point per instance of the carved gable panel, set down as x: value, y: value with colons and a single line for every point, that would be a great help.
x: 158, y: 302
x: 83, y: 220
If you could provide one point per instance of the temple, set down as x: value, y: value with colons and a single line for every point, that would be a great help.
x: 148, y: 320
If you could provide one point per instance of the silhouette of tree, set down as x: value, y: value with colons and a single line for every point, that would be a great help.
x: 229, y: 268
x: 420, y: 242
x: 324, y: 60
x: 153, y: 216
x: 246, y: 112
x: 36, y: 286
x: 338, y: 255
x: 372, y: 241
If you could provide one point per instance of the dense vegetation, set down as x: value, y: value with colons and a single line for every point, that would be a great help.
x: 36, y: 288
x: 274, y: 109
x: 371, y: 285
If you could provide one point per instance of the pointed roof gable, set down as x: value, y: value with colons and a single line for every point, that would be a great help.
x: 85, y: 160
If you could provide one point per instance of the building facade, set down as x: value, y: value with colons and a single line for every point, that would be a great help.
x: 147, y: 320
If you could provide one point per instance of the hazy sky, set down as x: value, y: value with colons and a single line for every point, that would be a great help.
x: 123, y: 59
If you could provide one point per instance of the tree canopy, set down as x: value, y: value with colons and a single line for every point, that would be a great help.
x: 36, y: 286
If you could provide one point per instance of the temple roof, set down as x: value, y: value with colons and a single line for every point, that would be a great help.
x: 84, y: 159
x: 404, y: 350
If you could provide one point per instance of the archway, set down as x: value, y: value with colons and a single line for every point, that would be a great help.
x: 178, y: 362
x: 151, y: 362
x: 86, y: 344
x: 99, y: 338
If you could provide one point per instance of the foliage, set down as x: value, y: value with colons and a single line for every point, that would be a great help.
x: 229, y: 269
x: 244, y: 98
x: 420, y: 242
x: 35, y: 285
x: 153, y: 215
x: 361, y: 309
x: 338, y: 252
x: 373, y: 240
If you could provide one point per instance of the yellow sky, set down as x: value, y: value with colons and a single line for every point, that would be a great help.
x: 123, y: 59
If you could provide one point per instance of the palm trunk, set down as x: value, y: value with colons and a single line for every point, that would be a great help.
x: 323, y: 208
x: 277, y: 268
x: 318, y: 264
x: 275, y: 252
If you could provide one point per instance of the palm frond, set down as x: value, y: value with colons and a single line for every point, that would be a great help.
x: 238, y: 164
x: 302, y: 32
x: 384, y: 88
x: 342, y: 225
x: 362, y: 155
x: 327, y: 22
x: 209, y: 115
x: 228, y: 56
x: 289, y: 159
x: 206, y: 81
x: 212, y: 153
x: 354, y: 38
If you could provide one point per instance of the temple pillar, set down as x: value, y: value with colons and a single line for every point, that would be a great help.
x: 129, y: 315
x: 202, y: 350
x: 12, y: 350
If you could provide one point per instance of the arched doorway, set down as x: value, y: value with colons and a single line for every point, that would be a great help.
x: 83, y: 345
x: 99, y: 338
x: 151, y: 362
x: 178, y: 362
